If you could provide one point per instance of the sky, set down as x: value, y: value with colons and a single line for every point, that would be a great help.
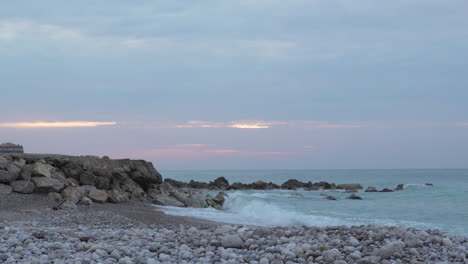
x: 246, y: 84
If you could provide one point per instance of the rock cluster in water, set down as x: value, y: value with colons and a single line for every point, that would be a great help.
x: 228, y: 244
x: 88, y: 179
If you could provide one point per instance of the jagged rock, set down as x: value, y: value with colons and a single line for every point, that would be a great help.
x: 98, y: 196
x: 216, y: 202
x: 198, y: 185
x: 386, y: 190
x: 135, y: 191
x: 220, y: 198
x: 237, y: 186
x: 73, y: 194
x: 371, y: 189
x: 22, y: 186
x: 354, y: 197
x: 45, y: 184
x: 354, y: 187
x: 5, y: 189
x: 293, y: 184
x: 400, y: 187
x: 118, y: 196
x: 220, y: 183
x: 322, y: 185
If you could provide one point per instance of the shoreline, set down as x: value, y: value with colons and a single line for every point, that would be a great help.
x: 136, y: 232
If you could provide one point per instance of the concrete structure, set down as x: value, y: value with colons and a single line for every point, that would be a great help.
x: 10, y: 148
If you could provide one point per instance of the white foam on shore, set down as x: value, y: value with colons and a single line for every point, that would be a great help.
x: 262, y: 210
x: 254, y: 209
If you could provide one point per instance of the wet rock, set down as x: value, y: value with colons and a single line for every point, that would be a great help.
x: 386, y: 190
x: 354, y: 187
x: 354, y: 197
x: 329, y: 197
x: 400, y: 187
x: 371, y: 189
x: 293, y: 184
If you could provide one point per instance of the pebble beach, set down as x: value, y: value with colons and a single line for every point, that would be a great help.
x: 31, y: 232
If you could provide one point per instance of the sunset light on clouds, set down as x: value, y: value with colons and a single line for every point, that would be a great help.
x: 56, y: 124
x: 238, y: 84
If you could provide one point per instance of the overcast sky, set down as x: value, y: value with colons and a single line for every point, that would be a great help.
x: 246, y: 84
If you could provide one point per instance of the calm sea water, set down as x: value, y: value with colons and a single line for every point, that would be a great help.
x: 443, y: 206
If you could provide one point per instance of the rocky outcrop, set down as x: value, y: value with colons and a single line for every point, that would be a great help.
x: 99, y: 179
x: 350, y: 187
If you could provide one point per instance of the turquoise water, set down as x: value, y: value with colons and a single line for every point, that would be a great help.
x: 443, y: 206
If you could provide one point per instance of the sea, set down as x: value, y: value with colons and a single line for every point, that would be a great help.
x: 443, y: 206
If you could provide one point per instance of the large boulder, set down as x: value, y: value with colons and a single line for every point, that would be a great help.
x: 41, y: 169
x: 73, y: 194
x: 5, y: 189
x: 22, y: 186
x: 46, y: 185
x: 9, y: 173
x: 98, y: 196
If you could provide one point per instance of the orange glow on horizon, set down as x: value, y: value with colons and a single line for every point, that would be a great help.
x: 56, y: 124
